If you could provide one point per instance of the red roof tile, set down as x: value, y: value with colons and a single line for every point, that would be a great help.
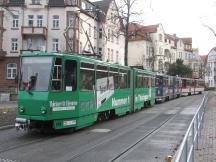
x: 141, y: 32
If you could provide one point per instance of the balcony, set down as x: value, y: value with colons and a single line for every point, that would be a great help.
x: 38, y: 31
x: 2, y: 54
x: 29, y: 50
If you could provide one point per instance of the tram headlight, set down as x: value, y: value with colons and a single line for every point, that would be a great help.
x: 43, y: 110
x: 21, y: 109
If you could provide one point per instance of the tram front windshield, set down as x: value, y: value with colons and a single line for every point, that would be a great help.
x: 35, y: 73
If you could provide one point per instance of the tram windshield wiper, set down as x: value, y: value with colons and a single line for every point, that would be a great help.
x: 32, y: 83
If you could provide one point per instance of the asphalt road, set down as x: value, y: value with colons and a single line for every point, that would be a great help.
x: 147, y: 135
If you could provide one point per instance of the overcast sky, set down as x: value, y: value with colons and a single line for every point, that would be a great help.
x: 183, y: 17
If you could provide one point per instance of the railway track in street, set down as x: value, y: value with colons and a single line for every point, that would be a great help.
x: 126, y: 134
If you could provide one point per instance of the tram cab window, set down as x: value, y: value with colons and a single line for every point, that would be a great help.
x: 57, y: 75
x: 70, y: 75
x: 86, y: 76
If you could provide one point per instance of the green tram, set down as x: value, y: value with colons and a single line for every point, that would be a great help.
x: 70, y: 91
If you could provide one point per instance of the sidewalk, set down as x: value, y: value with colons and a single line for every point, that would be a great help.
x: 207, y: 141
x: 7, y: 113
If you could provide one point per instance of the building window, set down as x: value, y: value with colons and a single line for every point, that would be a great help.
x: 81, y: 26
x: 83, y: 5
x: 81, y: 50
x: 95, y: 32
x: 89, y: 30
x: 55, y: 45
x: 71, y: 2
x: 35, y: 2
x: 100, y: 51
x: 117, y: 39
x: 55, y: 21
x: 30, y: 20
x: 39, y: 21
x: 117, y: 56
x: 11, y: 71
x: 160, y: 37
x: 14, y: 44
x: 15, y: 21
x: 100, y: 33
x: 112, y: 36
x: 111, y: 59
x: 108, y: 35
x: 108, y: 54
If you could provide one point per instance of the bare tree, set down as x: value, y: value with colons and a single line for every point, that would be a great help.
x: 126, y: 11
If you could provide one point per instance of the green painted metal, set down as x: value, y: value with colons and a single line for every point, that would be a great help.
x: 78, y: 109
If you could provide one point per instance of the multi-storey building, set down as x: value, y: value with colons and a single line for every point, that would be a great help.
x: 71, y: 26
x: 188, y: 51
x: 151, y: 45
x: 211, y: 68
x: 150, y: 42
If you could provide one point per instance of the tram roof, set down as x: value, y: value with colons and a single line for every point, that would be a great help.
x: 85, y: 59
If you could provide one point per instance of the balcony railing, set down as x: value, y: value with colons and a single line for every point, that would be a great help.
x: 27, y: 30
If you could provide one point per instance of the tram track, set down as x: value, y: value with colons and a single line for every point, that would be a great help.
x: 128, y: 149
x: 135, y: 121
x: 117, y: 132
x: 152, y: 132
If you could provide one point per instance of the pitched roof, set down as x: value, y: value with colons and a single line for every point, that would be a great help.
x: 140, y: 32
x: 171, y: 37
x: 204, y: 58
x: 103, y: 5
x: 187, y: 40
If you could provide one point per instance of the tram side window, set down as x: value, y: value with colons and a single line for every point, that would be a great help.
x: 153, y: 82
x: 102, y: 77
x: 123, y: 78
x: 146, y: 82
x: 139, y: 81
x: 57, y: 75
x: 113, y: 72
x: 159, y: 81
x: 166, y: 82
x: 184, y: 83
x: 86, y: 76
x: 128, y: 83
x: 70, y: 75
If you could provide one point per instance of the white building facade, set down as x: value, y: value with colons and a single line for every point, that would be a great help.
x: 70, y: 26
x: 211, y: 68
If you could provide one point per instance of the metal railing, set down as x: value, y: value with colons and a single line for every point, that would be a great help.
x: 185, y: 152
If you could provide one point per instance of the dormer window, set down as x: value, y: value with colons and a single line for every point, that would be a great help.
x: 35, y: 2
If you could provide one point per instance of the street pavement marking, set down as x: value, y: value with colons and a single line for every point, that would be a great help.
x: 100, y: 130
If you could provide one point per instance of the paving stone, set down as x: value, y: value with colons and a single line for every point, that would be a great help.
x: 207, y: 141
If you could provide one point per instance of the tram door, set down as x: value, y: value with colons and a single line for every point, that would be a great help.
x: 87, y: 99
x: 70, y: 84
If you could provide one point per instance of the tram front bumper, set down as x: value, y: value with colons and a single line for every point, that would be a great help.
x: 22, y: 124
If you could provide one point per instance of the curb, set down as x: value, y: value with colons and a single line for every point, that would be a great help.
x: 6, y: 127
